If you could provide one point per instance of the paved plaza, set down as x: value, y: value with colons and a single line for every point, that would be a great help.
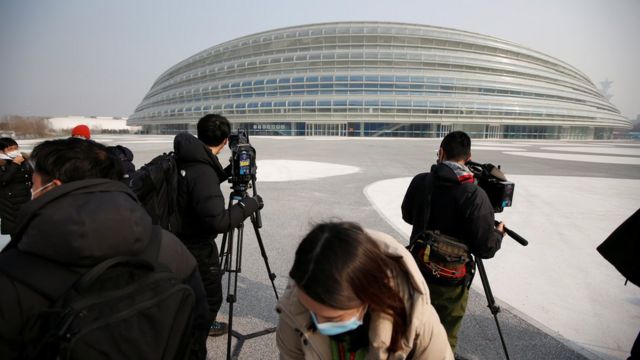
x: 559, y: 298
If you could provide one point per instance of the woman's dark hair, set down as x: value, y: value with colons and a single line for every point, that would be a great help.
x: 213, y: 129
x: 338, y: 265
x: 6, y: 142
x: 74, y: 159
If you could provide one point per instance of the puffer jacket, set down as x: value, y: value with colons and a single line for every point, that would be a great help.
x: 462, y: 211
x: 80, y: 224
x: 204, y: 214
x: 425, y: 337
x: 15, y: 190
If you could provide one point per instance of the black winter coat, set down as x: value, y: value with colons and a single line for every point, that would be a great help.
x: 15, y: 190
x: 459, y: 210
x: 204, y: 214
x: 80, y: 224
x: 622, y: 247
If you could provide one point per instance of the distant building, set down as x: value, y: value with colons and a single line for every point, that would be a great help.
x: 380, y: 79
x: 97, y: 124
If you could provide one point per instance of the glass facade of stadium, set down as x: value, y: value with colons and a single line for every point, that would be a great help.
x: 379, y: 79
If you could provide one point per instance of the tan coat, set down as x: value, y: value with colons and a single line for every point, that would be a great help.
x: 425, y: 337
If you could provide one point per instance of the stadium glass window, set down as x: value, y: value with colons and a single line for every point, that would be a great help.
x: 280, y: 104
x: 371, y: 79
x: 326, y: 79
x: 356, y: 78
x: 293, y: 103
x: 339, y: 103
x: 271, y: 81
x: 298, y: 80
x: 241, y: 106
x: 342, y: 78
x: 253, y: 105
x: 309, y: 103
x: 312, y: 79
x: 258, y: 82
x: 387, y: 103
x: 284, y: 81
x: 372, y: 103
x: 356, y: 103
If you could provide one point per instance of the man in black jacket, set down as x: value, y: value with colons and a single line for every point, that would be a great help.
x: 79, y: 217
x: 204, y: 215
x: 448, y: 200
x: 15, y: 183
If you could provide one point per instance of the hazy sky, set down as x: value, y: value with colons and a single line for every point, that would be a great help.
x: 99, y: 57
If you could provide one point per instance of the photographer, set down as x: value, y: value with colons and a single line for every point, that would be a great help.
x: 204, y: 214
x: 447, y: 200
x: 357, y: 294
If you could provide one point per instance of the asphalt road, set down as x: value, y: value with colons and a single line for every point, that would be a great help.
x: 292, y: 207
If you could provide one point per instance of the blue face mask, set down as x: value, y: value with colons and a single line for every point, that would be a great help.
x: 335, y: 328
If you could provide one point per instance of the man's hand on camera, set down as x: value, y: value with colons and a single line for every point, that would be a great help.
x: 251, y: 204
x: 500, y: 228
x: 259, y: 200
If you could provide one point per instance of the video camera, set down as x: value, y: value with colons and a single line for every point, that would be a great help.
x: 243, y: 160
x: 493, y: 181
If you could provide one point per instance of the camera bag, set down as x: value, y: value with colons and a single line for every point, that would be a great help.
x: 440, y: 256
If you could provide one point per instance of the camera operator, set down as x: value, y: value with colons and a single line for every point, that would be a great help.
x: 447, y: 200
x: 204, y: 214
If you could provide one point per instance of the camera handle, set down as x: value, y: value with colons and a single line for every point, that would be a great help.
x: 522, y: 241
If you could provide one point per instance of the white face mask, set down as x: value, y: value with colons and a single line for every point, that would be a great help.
x: 35, y: 192
x: 13, y: 154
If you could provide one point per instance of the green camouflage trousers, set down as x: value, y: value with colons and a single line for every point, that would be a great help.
x: 450, y: 303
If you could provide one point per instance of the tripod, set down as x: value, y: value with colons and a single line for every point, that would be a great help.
x: 233, y: 266
x: 495, y: 309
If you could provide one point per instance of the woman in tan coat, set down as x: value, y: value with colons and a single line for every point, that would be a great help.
x: 355, y: 295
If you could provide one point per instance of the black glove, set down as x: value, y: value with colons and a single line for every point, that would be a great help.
x: 259, y: 200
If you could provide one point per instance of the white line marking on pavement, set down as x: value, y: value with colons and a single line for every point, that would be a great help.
x: 559, y: 279
x: 579, y: 157
x: 597, y: 150
x: 292, y: 170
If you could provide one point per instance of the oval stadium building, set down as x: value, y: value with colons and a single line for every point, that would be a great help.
x: 379, y: 79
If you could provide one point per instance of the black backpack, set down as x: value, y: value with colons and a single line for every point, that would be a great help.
x: 125, y: 156
x: 159, y: 188
x: 123, y: 308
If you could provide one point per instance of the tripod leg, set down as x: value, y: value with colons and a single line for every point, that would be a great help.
x: 232, y: 281
x: 495, y: 309
x: 272, y: 276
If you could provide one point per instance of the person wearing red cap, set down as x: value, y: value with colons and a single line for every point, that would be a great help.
x: 81, y: 131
